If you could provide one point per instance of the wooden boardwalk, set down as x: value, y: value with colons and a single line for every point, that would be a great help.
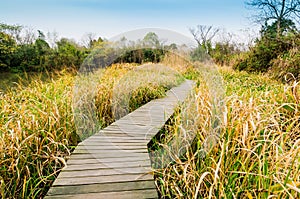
x: 114, y: 163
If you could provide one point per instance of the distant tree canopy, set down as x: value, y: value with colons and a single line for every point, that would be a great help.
x: 7, y: 48
x: 219, y: 51
x: 204, y: 35
x: 271, y: 31
x: 32, y: 52
x: 150, y: 49
x: 277, y: 49
x: 280, y: 13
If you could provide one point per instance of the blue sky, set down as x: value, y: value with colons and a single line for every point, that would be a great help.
x: 107, y: 18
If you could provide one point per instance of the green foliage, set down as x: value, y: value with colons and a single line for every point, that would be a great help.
x: 34, y: 53
x: 25, y: 58
x: 270, y: 51
x: 142, y: 56
x: 7, y: 48
x: 151, y: 40
x: 259, y: 58
x: 12, y: 30
x: 222, y: 53
x: 199, y: 54
x: 67, y: 54
x: 271, y: 31
x: 101, y: 55
x: 288, y: 63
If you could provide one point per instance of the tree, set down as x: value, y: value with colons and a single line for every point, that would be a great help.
x: 52, y: 38
x: 28, y: 36
x: 151, y: 40
x: 42, y: 48
x: 12, y: 30
x: 278, y: 11
x: 7, y: 48
x: 203, y: 35
x: 94, y: 43
x: 270, y: 31
x: 88, y: 40
x: 68, y: 54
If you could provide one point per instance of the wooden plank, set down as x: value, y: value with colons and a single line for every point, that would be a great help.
x: 101, y: 165
x: 101, y: 155
x: 102, y: 179
x: 109, y: 152
x: 128, y: 135
x: 114, y: 138
x: 120, y: 129
x: 140, y: 139
x: 118, y: 158
x: 143, y: 193
x: 93, y: 160
x: 101, y: 187
x: 128, y: 130
x: 104, y: 172
x: 95, y: 143
x: 111, y: 146
x: 100, y: 141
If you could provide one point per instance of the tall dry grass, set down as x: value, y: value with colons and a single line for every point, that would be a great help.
x: 258, y: 152
x: 36, y: 133
x: 38, y: 127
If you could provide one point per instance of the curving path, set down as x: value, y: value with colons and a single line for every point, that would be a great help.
x: 114, y: 163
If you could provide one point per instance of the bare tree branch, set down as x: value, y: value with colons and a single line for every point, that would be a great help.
x: 203, y: 35
x: 276, y: 11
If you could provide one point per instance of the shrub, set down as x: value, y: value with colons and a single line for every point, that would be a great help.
x: 288, y: 63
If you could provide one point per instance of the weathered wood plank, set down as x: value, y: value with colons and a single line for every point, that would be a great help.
x: 111, y: 147
x: 143, y: 193
x: 93, y: 160
x: 113, y: 152
x: 125, y: 139
x: 119, y: 156
x: 102, y: 165
x: 95, y: 143
x: 104, y: 155
x: 104, y: 172
x: 102, y: 179
x: 103, y: 187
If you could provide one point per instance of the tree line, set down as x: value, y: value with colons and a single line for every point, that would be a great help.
x: 276, y: 50
x: 26, y: 51
x: 22, y: 50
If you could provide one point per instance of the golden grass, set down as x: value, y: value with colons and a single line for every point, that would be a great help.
x: 257, y: 155
x: 36, y: 130
x: 38, y: 127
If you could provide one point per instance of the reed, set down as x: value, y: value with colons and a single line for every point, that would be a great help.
x: 257, y: 154
x: 38, y: 129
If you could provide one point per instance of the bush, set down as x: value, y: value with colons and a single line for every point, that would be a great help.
x: 277, y: 56
x: 223, y: 53
x: 285, y: 64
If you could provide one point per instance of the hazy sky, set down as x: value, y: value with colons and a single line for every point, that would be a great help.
x: 107, y: 18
